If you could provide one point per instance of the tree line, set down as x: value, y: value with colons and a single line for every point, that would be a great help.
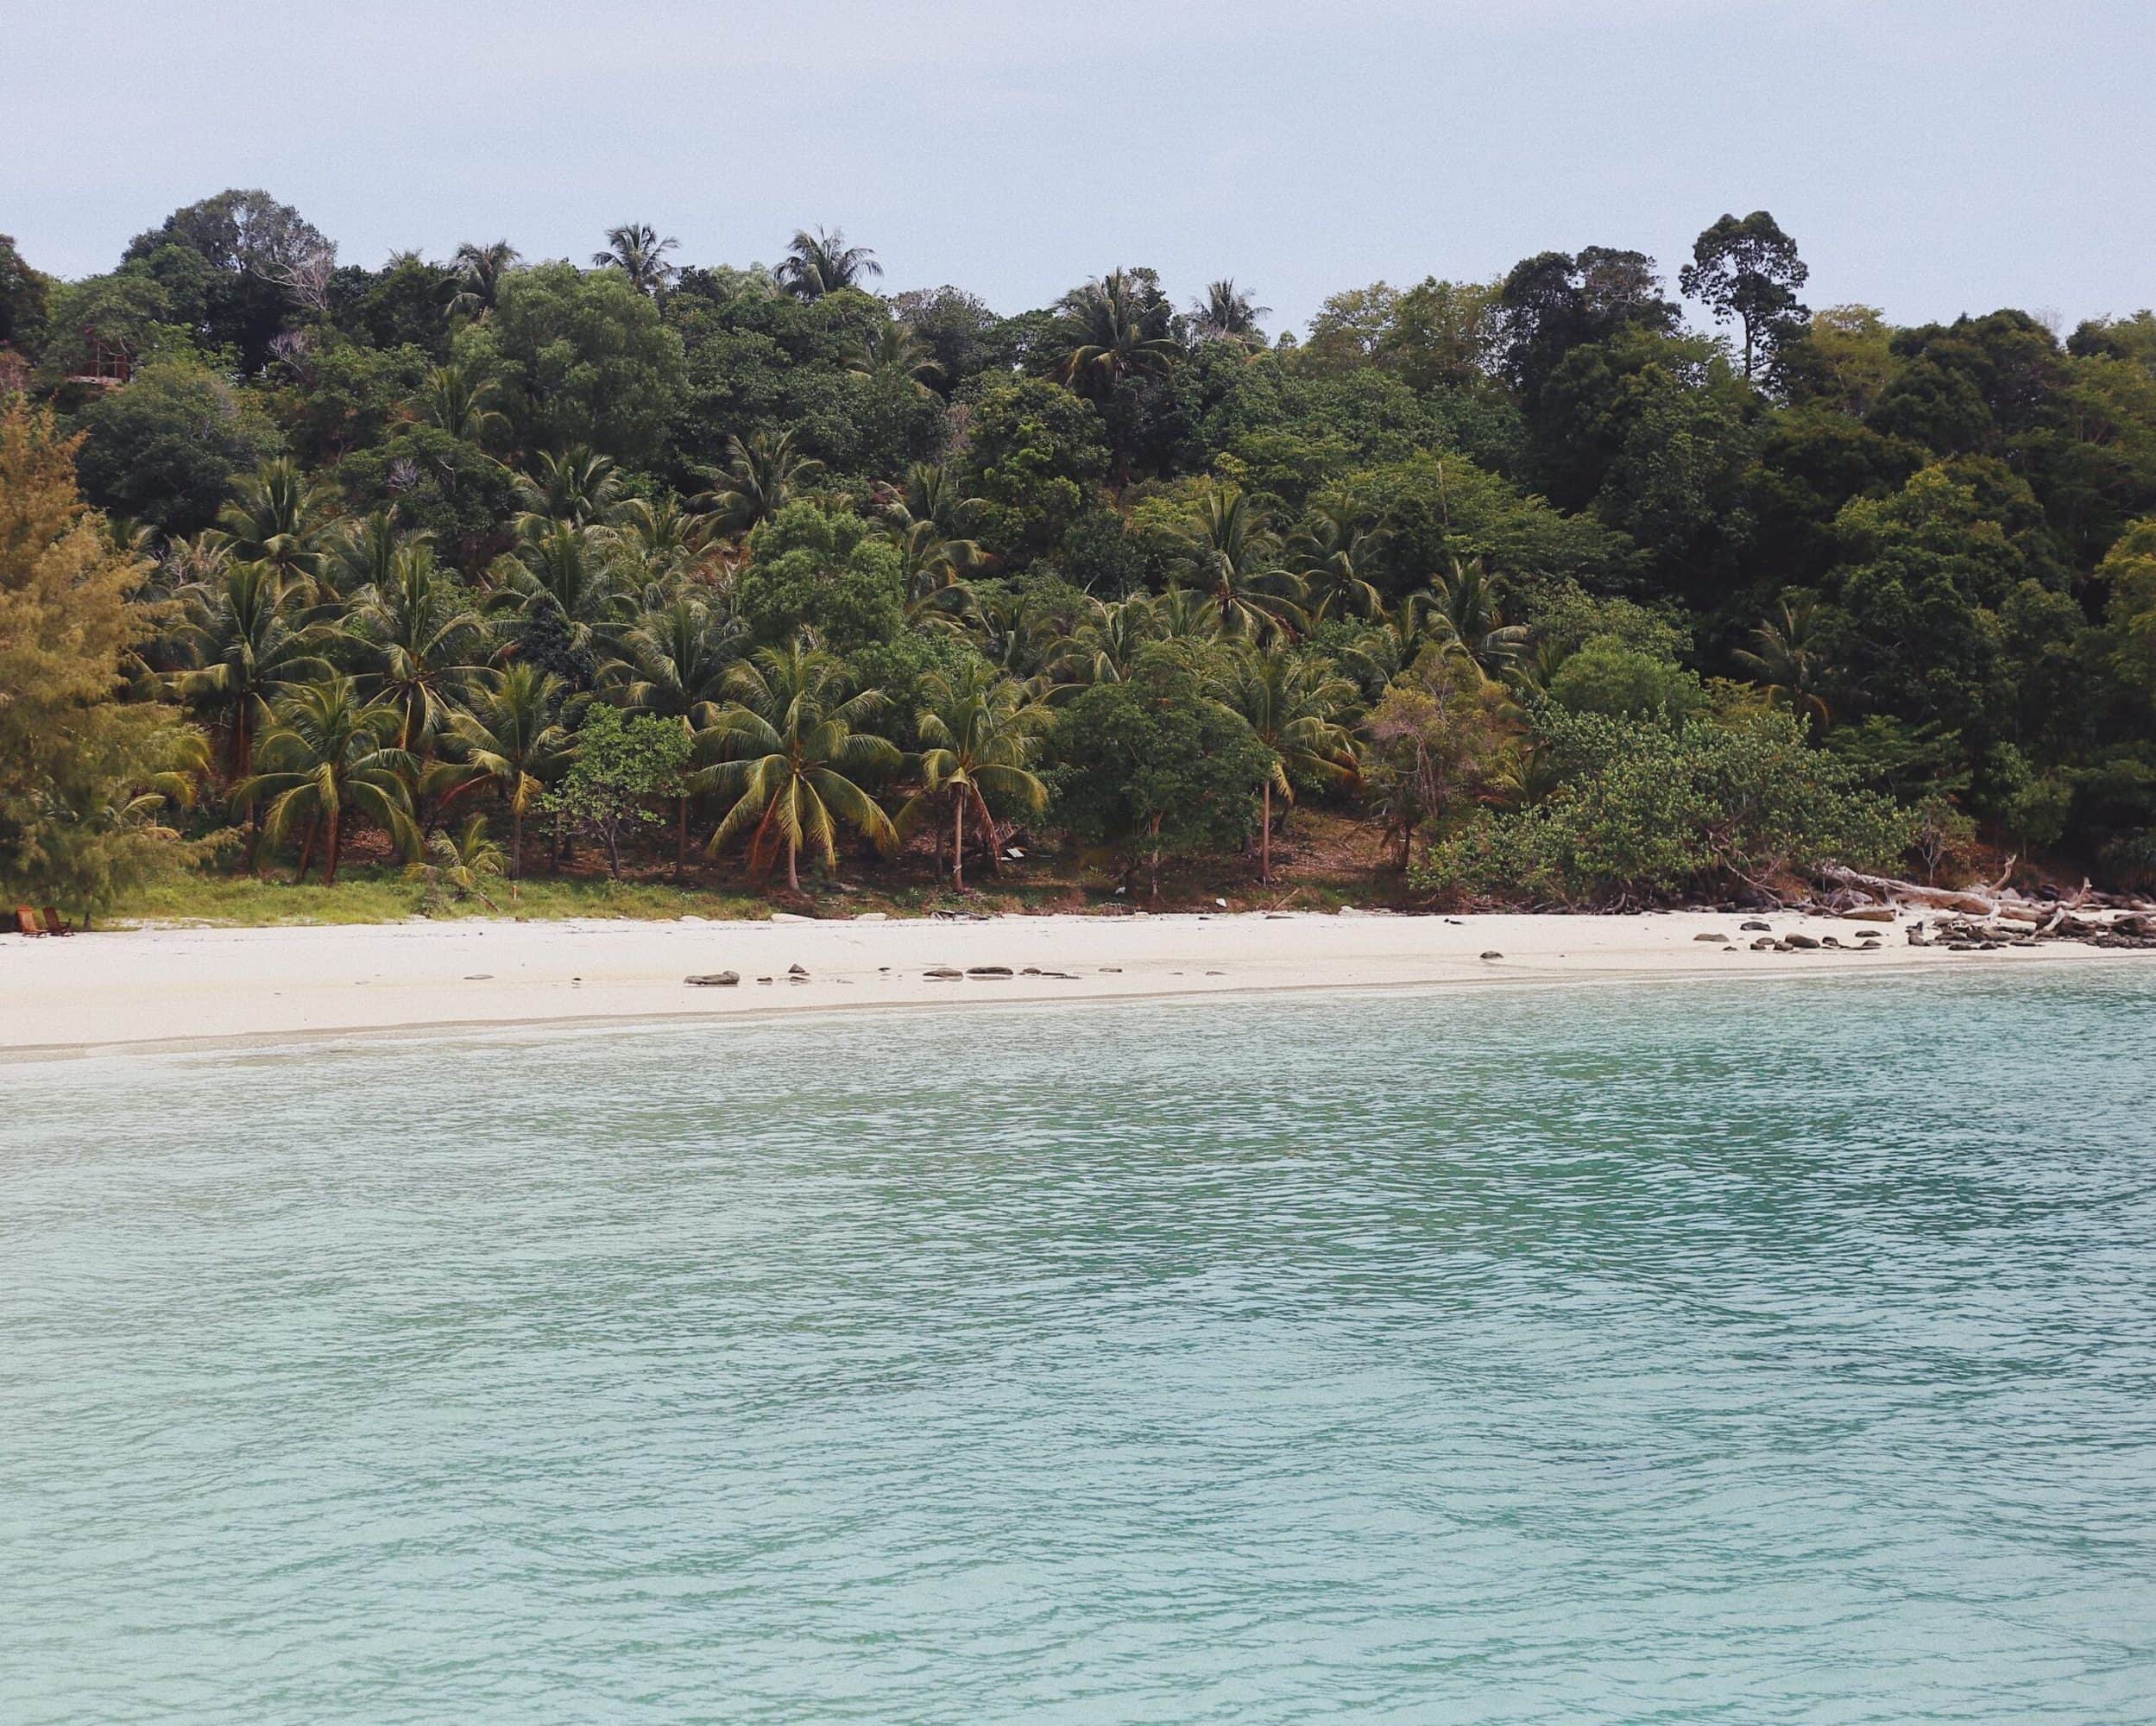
x: 760, y: 568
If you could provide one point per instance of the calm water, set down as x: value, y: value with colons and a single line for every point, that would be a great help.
x: 1748, y: 1354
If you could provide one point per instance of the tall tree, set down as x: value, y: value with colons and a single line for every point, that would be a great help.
x: 331, y: 752
x: 793, y: 750
x: 821, y: 262
x: 980, y: 734
x: 636, y: 250
x: 1748, y: 269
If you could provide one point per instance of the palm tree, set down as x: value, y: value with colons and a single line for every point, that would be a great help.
x: 790, y: 741
x: 482, y: 270
x: 458, y: 862
x: 1294, y: 704
x: 1790, y: 660
x: 636, y: 250
x: 1332, y: 552
x: 560, y: 574
x: 329, y: 752
x: 272, y: 521
x: 460, y: 400
x: 248, y: 645
x: 1236, y: 562
x: 758, y: 479
x: 1224, y: 314
x: 360, y: 554
x: 1104, y: 647
x: 980, y: 732
x: 891, y: 349
x: 1108, y: 333
x: 657, y: 543
x: 422, y: 642
x: 1467, y: 608
x: 820, y: 263
x: 674, y: 664
x: 578, y: 486
x: 510, y: 739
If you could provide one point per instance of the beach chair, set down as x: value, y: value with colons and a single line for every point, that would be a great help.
x: 55, y: 923
x: 26, y: 921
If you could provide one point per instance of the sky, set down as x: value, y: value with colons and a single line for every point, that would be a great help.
x: 1930, y: 157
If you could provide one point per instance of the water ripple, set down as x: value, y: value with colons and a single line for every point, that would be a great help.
x: 1758, y: 1353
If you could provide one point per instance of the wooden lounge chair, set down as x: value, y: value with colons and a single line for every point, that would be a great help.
x: 55, y: 923
x: 26, y: 921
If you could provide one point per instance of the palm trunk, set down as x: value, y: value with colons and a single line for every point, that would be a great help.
x: 1265, y: 835
x: 793, y: 871
x: 958, y: 845
x: 306, y: 847
x: 516, y: 840
x: 337, y: 835
x: 1155, y: 877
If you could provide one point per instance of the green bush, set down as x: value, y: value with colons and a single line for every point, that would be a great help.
x: 1645, y: 812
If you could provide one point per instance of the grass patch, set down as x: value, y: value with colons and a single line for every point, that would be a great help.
x: 367, y: 894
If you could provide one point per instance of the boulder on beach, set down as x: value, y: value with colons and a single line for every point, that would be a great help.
x: 987, y: 970
x: 1801, y: 943
x: 713, y: 979
x: 943, y: 973
x: 1710, y: 935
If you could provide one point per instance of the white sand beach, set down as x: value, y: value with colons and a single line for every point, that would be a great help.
x: 178, y: 986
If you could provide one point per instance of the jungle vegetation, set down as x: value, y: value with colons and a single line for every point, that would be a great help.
x: 755, y: 578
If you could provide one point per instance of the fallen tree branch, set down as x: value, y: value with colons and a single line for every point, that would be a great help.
x: 1886, y: 887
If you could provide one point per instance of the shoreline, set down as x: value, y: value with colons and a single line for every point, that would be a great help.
x: 195, y: 990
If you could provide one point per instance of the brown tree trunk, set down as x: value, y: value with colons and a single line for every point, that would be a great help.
x: 793, y: 870
x: 337, y: 835
x: 516, y: 841
x: 1155, y: 876
x: 958, y: 844
x: 1265, y: 835
x: 306, y: 847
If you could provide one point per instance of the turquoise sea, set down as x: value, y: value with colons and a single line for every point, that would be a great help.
x: 1744, y: 1353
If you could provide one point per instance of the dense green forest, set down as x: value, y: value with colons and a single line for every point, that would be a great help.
x: 760, y: 576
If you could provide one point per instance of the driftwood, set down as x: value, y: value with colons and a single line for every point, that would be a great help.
x: 1886, y: 887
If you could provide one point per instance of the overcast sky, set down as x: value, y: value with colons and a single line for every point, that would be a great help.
x: 1929, y: 156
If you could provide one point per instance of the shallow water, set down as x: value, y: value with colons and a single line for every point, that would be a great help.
x: 1753, y: 1352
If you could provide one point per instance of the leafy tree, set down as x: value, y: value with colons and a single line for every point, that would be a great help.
x: 1034, y: 454
x: 84, y: 777
x: 1434, y: 735
x: 827, y: 572
x: 1748, y: 270
x: 164, y: 449
x: 1150, y: 768
x: 793, y: 745
x: 620, y: 766
x: 23, y: 295
x: 580, y: 359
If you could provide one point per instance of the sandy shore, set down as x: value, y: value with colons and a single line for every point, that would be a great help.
x: 178, y: 986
